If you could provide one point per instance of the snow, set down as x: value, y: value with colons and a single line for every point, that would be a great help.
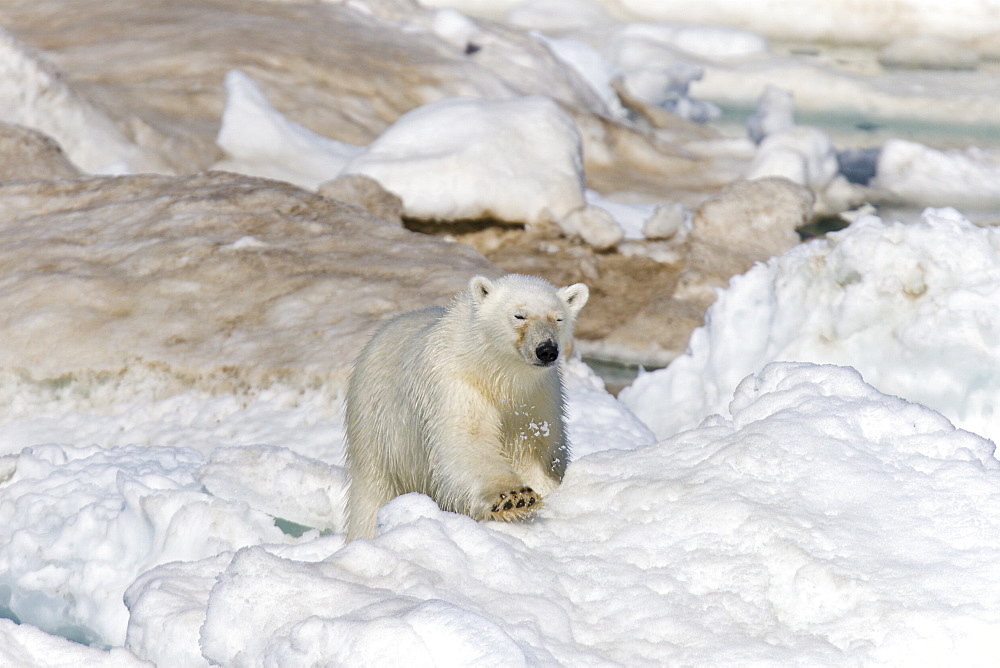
x: 462, y: 158
x: 814, y: 482
x: 974, y: 22
x: 260, y: 141
x: 915, y: 173
x: 818, y: 521
x: 518, y: 160
x: 595, y: 69
x: 802, y: 529
x: 659, y: 62
x: 25, y: 645
x: 32, y: 93
x: 80, y: 523
x: 915, y: 308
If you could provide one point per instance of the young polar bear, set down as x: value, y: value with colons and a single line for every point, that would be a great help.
x: 464, y: 403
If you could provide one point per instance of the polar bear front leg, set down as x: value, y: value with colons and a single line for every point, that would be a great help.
x: 481, y: 483
x: 472, y: 475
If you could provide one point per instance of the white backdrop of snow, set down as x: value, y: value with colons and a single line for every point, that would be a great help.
x: 444, y: 166
x: 802, y: 530
x: 517, y: 160
x: 820, y: 521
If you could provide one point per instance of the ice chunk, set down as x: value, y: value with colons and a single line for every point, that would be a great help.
x: 460, y: 158
x: 915, y: 308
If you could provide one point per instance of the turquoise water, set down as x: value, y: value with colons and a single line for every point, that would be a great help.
x: 848, y: 130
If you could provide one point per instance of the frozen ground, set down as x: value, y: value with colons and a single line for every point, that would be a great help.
x: 811, y: 519
x: 819, y: 522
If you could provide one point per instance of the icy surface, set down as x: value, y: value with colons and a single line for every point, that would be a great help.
x: 915, y: 308
x: 785, y: 19
x: 174, y: 348
x: 33, y: 93
x: 823, y: 523
x: 78, y: 524
x: 27, y: 646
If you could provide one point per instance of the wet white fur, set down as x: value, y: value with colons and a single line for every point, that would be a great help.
x: 453, y: 403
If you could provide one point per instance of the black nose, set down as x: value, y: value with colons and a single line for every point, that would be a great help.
x: 547, y: 352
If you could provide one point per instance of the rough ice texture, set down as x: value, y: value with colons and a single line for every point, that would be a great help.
x: 365, y: 192
x: 84, y: 528
x: 344, y: 71
x: 77, y: 525
x: 456, y: 159
x: 823, y: 522
x: 34, y: 94
x: 915, y: 308
x: 217, y: 280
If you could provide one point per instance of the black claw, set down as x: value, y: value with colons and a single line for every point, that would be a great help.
x: 531, y: 501
x: 520, y: 503
x: 508, y: 505
x: 496, y: 508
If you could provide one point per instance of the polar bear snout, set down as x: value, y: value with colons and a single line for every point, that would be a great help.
x: 547, y: 352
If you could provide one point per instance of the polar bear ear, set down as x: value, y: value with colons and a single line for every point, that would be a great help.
x: 480, y: 288
x: 574, y: 296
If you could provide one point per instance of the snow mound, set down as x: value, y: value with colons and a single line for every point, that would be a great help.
x: 595, y: 420
x: 915, y: 308
x: 78, y: 524
x: 824, y: 523
x: 518, y: 160
x: 460, y: 158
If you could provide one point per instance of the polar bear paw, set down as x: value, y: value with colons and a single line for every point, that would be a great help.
x: 515, y: 504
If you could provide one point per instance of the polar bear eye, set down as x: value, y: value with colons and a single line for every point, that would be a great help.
x: 518, y: 316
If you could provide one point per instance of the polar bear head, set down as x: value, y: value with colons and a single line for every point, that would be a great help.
x: 526, y: 316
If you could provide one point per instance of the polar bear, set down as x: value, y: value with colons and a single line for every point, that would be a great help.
x: 464, y: 404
